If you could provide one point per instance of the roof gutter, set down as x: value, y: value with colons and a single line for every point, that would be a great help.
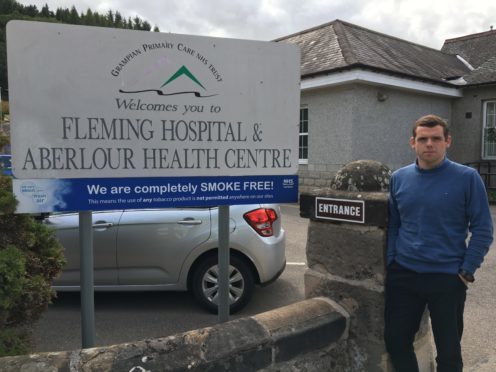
x: 473, y: 85
x: 361, y: 74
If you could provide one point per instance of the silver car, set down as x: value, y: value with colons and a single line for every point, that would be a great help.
x: 176, y: 249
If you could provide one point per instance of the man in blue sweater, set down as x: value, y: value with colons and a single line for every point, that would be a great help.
x: 433, y: 204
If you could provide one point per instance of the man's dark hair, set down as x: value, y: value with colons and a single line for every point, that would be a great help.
x: 431, y: 121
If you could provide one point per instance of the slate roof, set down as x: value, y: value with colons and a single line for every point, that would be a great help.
x: 484, y: 74
x: 479, y: 50
x: 340, y: 45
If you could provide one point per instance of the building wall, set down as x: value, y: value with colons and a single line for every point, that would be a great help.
x: 382, y: 129
x: 330, y: 115
x: 349, y: 122
x: 467, y: 132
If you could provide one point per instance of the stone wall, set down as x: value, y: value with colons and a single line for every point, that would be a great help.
x: 313, y: 176
x: 310, y: 335
x: 347, y: 259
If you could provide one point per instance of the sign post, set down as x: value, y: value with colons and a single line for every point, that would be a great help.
x: 223, y: 264
x: 127, y: 119
x: 87, y: 289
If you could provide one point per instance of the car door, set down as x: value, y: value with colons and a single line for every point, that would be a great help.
x: 105, y: 227
x: 153, y: 244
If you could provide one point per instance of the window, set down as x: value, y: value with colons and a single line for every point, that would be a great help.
x: 489, y: 131
x: 303, y: 144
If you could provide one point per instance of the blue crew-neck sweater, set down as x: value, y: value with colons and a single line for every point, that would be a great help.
x: 430, y: 215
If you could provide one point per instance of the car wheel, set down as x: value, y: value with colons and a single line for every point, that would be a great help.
x: 205, y: 284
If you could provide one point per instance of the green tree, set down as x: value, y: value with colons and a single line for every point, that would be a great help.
x: 145, y: 26
x: 59, y: 14
x: 30, y: 258
x: 7, y: 6
x: 89, y: 18
x: 110, y: 18
x: 137, y: 23
x: 45, y: 11
x: 98, y: 19
x: 73, y: 16
x: 118, y: 20
x: 30, y: 10
x: 3, y: 68
x: 11, y: 9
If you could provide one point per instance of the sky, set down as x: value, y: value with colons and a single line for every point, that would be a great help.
x: 426, y: 22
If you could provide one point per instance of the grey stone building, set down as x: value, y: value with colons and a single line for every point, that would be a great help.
x: 362, y: 90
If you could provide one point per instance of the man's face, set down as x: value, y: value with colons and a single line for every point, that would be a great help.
x: 430, y: 146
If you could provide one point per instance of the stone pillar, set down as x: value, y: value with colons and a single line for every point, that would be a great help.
x: 346, y: 250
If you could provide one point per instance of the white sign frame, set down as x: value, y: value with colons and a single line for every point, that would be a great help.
x: 90, y: 102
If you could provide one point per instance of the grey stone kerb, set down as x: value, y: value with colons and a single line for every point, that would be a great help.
x: 274, y: 340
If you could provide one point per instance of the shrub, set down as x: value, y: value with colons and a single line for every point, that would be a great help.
x: 5, y: 109
x: 30, y: 257
x: 491, y: 195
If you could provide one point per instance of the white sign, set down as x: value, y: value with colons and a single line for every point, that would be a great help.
x: 89, y: 102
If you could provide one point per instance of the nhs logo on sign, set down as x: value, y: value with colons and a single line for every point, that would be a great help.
x: 288, y: 183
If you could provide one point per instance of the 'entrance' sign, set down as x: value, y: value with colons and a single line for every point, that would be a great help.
x: 340, y: 209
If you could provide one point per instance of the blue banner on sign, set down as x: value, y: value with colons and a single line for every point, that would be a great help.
x: 82, y: 194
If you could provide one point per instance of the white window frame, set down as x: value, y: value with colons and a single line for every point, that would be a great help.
x: 484, y: 130
x: 301, y: 134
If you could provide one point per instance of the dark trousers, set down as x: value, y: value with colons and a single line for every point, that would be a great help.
x: 407, y: 295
